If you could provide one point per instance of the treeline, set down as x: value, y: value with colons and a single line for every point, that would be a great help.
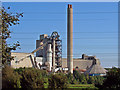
x: 78, y: 78
x: 112, y: 80
x: 35, y: 78
x: 32, y: 78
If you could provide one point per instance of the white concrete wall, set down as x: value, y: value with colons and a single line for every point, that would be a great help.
x: 39, y: 60
x: 24, y: 62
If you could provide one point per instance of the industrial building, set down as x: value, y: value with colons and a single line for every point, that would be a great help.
x: 87, y: 64
x: 49, y: 54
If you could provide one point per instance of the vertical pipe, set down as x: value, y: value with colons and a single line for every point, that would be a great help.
x: 53, y: 55
x: 49, y: 56
x: 70, y: 38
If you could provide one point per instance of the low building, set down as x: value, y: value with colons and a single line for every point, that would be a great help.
x: 87, y: 64
x: 78, y: 63
x: 22, y: 60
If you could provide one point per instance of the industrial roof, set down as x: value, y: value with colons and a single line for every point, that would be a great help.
x: 96, y: 69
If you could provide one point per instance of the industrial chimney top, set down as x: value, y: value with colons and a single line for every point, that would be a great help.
x: 69, y: 6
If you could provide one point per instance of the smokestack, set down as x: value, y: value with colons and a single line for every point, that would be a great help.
x: 70, y: 38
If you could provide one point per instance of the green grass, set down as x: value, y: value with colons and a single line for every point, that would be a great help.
x: 84, y: 86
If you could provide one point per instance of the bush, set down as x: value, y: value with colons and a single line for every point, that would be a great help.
x: 10, y: 79
x: 58, y: 81
x: 19, y: 70
x: 91, y: 80
x: 24, y: 78
x: 71, y: 79
x: 86, y: 79
x: 80, y: 77
x: 98, y: 80
x: 32, y: 78
x: 76, y: 74
x: 112, y: 79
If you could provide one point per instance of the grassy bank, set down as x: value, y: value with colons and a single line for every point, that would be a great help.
x: 82, y: 86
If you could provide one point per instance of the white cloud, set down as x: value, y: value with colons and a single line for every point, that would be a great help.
x: 59, y: 0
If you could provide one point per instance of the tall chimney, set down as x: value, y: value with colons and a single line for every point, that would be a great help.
x: 70, y: 38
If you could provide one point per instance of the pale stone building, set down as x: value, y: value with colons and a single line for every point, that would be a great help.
x: 87, y: 64
x: 22, y: 60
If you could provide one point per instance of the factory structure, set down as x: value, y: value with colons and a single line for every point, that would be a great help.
x: 49, y: 54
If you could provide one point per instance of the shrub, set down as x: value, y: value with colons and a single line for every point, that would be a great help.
x: 71, y: 78
x: 19, y: 70
x: 76, y: 74
x: 98, y: 80
x: 10, y: 79
x: 90, y: 80
x: 58, y: 81
x: 80, y: 77
x: 112, y: 78
x: 32, y: 78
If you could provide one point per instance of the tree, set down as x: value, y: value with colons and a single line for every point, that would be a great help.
x: 98, y: 80
x: 32, y: 78
x: 80, y: 77
x: 70, y: 78
x: 8, y: 19
x: 76, y: 74
x: 58, y: 81
x: 91, y: 80
x: 10, y: 79
x: 112, y: 80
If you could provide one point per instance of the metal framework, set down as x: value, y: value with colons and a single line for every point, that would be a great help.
x: 58, y: 49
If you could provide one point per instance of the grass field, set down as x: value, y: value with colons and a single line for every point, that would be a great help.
x: 82, y: 86
x: 85, y: 86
